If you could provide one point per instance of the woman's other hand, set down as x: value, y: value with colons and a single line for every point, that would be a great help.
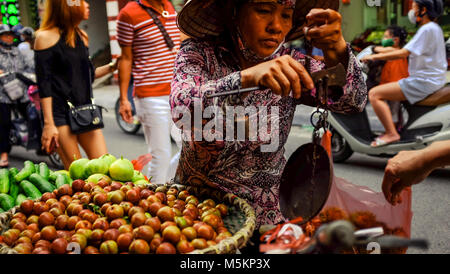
x: 281, y: 75
x: 50, y: 137
x: 324, y: 29
x: 404, y: 170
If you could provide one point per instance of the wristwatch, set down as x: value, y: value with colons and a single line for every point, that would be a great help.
x: 111, y: 66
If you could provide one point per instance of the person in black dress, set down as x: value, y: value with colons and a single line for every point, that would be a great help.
x: 62, y: 68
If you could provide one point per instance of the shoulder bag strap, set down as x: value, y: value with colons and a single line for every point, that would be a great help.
x: 158, y: 23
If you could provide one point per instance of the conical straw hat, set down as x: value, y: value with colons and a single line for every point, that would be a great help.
x: 203, y: 19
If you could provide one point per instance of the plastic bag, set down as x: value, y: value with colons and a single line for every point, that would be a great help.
x: 353, y: 198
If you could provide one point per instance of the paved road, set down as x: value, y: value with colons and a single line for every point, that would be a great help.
x: 430, y: 199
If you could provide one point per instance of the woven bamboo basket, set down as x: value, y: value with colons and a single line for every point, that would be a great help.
x: 240, y: 221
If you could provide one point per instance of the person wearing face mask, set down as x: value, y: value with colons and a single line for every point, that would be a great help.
x: 238, y: 44
x: 11, y: 61
x: 393, y: 70
x: 427, y: 67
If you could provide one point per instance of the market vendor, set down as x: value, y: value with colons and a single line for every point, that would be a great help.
x: 239, y: 44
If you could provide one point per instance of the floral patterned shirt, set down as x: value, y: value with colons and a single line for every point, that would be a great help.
x: 241, y: 166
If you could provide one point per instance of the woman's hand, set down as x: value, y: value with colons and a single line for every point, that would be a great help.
x: 404, y: 170
x: 49, y: 139
x: 281, y: 75
x: 324, y: 30
x: 367, y: 59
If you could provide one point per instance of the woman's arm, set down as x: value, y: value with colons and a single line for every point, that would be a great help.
x: 412, y: 167
x: 349, y: 99
x: 380, y: 49
x: 106, y: 69
x: 43, y: 63
x: 50, y: 134
x: 191, y: 82
x: 392, y: 55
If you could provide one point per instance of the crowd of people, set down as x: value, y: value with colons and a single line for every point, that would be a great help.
x: 175, y: 65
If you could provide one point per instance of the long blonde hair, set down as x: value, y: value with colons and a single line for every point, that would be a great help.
x: 65, y: 17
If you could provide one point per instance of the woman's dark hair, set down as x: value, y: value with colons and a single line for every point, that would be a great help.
x: 399, y: 32
x: 435, y: 8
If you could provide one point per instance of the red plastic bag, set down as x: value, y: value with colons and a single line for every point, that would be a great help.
x: 353, y: 198
x: 141, y: 162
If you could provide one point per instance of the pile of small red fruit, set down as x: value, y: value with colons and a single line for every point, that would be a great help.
x: 112, y: 218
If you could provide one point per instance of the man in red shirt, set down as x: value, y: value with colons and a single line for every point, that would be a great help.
x: 149, y: 38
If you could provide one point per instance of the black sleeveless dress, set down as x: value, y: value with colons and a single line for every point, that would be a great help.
x: 63, y: 74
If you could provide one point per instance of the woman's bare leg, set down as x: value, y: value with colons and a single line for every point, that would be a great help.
x: 68, y: 146
x: 378, y: 96
x: 93, y: 143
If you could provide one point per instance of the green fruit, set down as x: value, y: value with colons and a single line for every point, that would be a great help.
x: 141, y: 183
x: 96, y: 166
x: 137, y: 176
x: 63, y: 172
x: 121, y: 170
x: 108, y: 159
x: 95, y: 178
x: 77, y: 169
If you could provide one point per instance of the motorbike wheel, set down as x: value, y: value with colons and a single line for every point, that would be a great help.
x: 56, y: 160
x: 128, y: 128
x: 340, y: 147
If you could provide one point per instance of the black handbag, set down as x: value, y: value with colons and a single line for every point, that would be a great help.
x: 87, y: 117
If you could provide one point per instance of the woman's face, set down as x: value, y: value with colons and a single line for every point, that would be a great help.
x: 264, y: 26
x: 389, y: 35
x: 7, y: 38
x: 416, y: 9
x: 86, y: 10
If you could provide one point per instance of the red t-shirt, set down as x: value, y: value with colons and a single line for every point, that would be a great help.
x: 394, y: 70
x: 153, y: 62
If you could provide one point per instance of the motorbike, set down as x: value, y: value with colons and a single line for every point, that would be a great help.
x: 27, y: 125
x: 423, y: 123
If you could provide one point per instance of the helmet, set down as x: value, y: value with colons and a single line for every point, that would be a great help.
x: 5, y: 29
x: 16, y: 29
x: 27, y: 32
x: 435, y: 8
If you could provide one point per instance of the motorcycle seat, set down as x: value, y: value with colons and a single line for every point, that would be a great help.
x: 440, y: 97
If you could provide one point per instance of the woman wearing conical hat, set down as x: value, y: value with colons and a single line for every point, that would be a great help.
x: 238, y: 44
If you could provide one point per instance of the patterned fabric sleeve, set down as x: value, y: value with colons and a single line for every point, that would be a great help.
x: 352, y: 98
x: 192, y: 81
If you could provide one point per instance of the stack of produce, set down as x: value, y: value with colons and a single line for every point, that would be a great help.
x: 28, y: 183
x: 36, y: 179
x: 111, y: 217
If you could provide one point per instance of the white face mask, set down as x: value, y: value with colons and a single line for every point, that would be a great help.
x: 412, y: 17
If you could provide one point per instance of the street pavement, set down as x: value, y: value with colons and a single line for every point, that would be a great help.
x: 430, y: 203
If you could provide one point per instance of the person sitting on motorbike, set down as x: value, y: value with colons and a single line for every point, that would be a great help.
x: 427, y: 67
x: 11, y: 61
x: 393, y: 70
x: 26, y: 47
